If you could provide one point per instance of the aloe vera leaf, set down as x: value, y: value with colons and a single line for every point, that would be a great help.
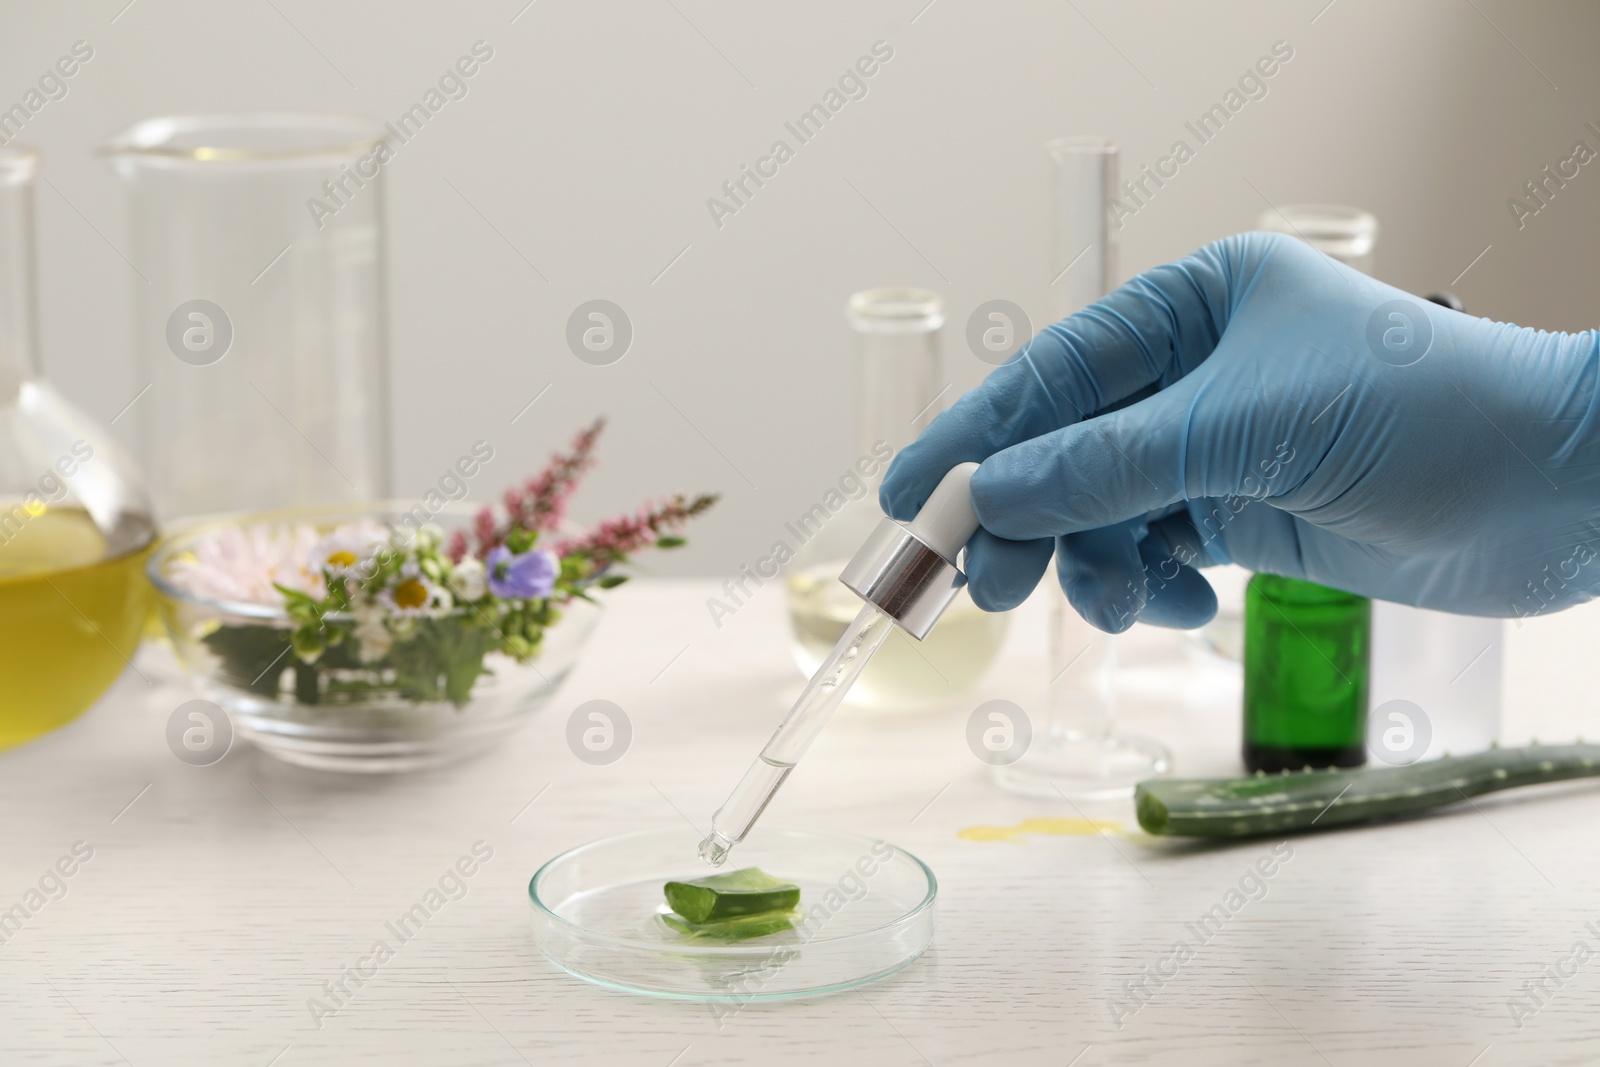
x: 1317, y: 800
x: 749, y: 891
x: 741, y: 929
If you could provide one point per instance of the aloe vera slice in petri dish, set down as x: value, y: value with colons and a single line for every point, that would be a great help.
x: 750, y: 891
x: 743, y: 928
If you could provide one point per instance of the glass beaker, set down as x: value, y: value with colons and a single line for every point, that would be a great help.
x: 74, y: 523
x: 1080, y: 755
x: 1347, y: 234
x: 901, y: 391
x: 260, y: 328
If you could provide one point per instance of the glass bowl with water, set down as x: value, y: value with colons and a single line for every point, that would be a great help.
x: 339, y: 713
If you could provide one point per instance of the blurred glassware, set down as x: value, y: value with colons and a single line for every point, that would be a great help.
x: 1347, y: 234
x: 74, y: 522
x: 1081, y: 755
x: 897, y: 332
x: 1083, y: 247
x: 261, y: 324
x: 1223, y: 636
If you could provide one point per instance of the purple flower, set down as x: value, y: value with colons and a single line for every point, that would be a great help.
x: 530, y: 576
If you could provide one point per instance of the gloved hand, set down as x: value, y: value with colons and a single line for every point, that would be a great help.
x: 1259, y: 403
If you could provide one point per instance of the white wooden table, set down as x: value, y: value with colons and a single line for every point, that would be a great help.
x: 218, y: 901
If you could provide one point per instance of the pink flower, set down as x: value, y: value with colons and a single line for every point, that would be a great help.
x: 614, y: 538
x: 540, y: 503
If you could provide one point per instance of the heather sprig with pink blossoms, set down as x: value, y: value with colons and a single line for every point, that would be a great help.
x: 416, y: 614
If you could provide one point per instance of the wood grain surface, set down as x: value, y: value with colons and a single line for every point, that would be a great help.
x: 219, y: 901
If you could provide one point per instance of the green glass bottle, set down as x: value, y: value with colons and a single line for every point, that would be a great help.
x: 1307, y: 649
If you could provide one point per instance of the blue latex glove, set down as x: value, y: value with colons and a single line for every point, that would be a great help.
x: 1259, y: 403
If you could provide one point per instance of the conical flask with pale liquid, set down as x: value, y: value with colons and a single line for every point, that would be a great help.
x: 901, y: 390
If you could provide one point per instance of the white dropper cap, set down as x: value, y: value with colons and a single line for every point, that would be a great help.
x: 947, y: 522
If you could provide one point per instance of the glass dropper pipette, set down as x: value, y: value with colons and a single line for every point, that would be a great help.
x: 907, y: 576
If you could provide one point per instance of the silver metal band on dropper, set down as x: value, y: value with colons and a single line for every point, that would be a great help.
x: 897, y: 572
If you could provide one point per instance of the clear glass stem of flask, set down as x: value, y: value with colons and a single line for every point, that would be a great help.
x: 794, y: 735
x: 898, y: 371
x: 1083, y: 663
x: 18, y: 281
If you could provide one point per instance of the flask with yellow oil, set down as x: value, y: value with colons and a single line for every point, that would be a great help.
x: 74, y: 524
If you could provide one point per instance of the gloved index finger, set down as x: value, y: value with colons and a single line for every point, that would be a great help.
x: 1151, y: 331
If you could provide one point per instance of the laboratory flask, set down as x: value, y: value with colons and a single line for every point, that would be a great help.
x: 900, y: 391
x: 75, y: 526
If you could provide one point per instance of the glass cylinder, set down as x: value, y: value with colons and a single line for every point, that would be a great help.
x: 1307, y: 655
x: 1083, y: 263
x: 1083, y: 246
x: 1081, y: 756
x: 74, y: 523
x: 897, y: 355
x: 260, y: 319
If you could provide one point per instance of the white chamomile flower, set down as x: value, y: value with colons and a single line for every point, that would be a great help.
x: 469, y: 579
x: 415, y: 595
x: 349, y: 550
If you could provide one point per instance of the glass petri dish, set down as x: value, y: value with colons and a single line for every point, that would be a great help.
x: 866, y: 910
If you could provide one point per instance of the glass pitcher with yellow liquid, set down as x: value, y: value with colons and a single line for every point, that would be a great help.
x: 74, y: 525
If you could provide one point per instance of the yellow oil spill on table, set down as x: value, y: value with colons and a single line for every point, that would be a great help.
x: 1029, y: 827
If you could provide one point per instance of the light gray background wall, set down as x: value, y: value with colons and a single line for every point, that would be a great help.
x: 594, y: 137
